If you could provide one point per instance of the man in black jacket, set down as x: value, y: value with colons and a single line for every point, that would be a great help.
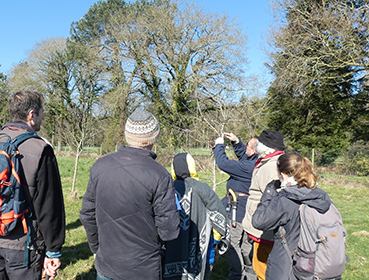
x: 40, y: 180
x: 240, y: 172
x: 129, y: 206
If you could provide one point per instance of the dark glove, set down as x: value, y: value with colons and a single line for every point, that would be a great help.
x: 271, y: 190
x: 275, y: 184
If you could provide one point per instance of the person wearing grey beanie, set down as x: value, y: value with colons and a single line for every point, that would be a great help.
x: 129, y: 208
x: 142, y: 129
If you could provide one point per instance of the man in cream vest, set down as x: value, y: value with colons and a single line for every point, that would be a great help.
x: 270, y: 146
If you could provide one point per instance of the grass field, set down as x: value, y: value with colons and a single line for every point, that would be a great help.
x: 349, y: 193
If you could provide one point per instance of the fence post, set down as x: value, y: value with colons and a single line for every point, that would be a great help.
x: 312, y: 156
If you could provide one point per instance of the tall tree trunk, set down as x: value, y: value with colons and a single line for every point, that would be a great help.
x: 73, y: 192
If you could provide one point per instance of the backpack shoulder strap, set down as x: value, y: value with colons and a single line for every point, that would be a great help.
x: 16, y: 141
x: 282, y: 234
x: 7, y: 136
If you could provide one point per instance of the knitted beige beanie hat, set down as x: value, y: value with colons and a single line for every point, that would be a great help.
x: 142, y: 128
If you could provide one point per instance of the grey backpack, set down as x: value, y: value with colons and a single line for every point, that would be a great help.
x: 321, y: 250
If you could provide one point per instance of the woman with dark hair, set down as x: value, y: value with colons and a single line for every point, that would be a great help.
x: 279, y: 206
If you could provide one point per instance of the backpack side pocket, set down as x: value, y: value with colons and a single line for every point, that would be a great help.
x: 303, y: 264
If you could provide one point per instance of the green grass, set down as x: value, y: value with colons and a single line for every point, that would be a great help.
x: 349, y: 193
x: 77, y: 260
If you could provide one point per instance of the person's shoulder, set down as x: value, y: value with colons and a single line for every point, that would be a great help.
x: 104, y: 159
x: 250, y: 160
x: 102, y: 164
x: 198, y: 184
x: 40, y: 142
x: 270, y: 161
x: 159, y: 169
x: 36, y: 146
x: 320, y: 193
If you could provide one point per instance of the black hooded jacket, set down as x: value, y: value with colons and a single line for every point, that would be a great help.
x: 282, y: 209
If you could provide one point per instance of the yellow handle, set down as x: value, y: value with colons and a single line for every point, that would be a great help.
x: 233, y: 194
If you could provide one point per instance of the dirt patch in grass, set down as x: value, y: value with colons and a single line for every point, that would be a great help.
x: 361, y: 233
x: 342, y: 181
x: 337, y: 180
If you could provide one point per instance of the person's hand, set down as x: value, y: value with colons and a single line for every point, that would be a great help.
x: 51, y: 266
x: 231, y: 137
x: 219, y: 140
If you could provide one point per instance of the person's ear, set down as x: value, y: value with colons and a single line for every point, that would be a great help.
x: 30, y: 115
x: 30, y: 118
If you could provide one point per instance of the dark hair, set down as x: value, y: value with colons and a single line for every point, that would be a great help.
x: 299, y: 167
x: 22, y: 102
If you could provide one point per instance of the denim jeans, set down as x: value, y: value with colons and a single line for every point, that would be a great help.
x: 100, y: 277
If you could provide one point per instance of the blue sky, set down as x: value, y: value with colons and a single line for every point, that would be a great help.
x: 26, y: 22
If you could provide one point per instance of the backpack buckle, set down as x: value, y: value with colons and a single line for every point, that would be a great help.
x: 5, y: 183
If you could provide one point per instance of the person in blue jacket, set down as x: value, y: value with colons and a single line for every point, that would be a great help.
x: 240, y: 172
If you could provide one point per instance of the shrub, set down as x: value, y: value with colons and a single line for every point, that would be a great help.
x: 357, y: 162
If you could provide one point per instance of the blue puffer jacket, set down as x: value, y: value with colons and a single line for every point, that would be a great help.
x: 240, y: 173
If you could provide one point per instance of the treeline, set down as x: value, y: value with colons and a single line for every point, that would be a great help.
x: 186, y: 66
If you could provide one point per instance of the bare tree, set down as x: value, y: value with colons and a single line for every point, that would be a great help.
x: 35, y: 73
x: 86, y: 88
x: 71, y: 79
x: 167, y: 55
x: 32, y: 73
x: 120, y: 73
x: 237, y: 113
